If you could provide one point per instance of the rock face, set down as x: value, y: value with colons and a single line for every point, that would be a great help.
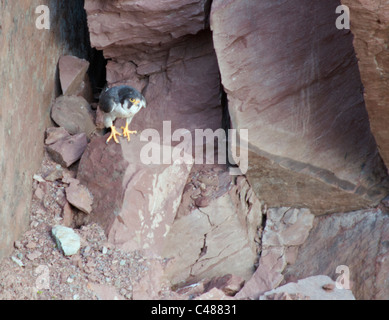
x: 355, y: 240
x: 217, y: 239
x: 370, y: 27
x: 286, y: 84
x: 286, y: 229
x: 25, y: 100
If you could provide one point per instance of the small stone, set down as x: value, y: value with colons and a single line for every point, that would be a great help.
x: 38, y: 178
x: 202, y: 202
x: 39, y: 193
x: 328, y: 287
x: 104, y: 250
x: 122, y: 262
x: 55, y: 134
x: 55, y: 174
x: 67, y: 240
x: 17, y: 261
x: 85, y: 251
x: 34, y: 224
x: 79, y: 196
x: 33, y: 255
x: 67, y: 215
x: 76, y: 297
x: 18, y: 244
x: 31, y: 245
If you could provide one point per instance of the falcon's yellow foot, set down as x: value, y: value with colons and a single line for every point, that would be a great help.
x: 126, y: 132
x: 113, y: 135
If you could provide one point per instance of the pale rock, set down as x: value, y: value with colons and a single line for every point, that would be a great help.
x: 214, y: 294
x: 298, y: 93
x: 34, y: 255
x: 215, y: 240
x: 352, y: 243
x: 17, y: 261
x: 312, y: 288
x: 370, y: 29
x: 67, y: 240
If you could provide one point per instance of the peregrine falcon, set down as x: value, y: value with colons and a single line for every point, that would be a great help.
x: 120, y: 102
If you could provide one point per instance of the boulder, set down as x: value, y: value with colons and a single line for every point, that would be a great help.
x: 135, y: 202
x: 351, y: 245
x: 74, y: 114
x: 72, y: 73
x: 171, y: 60
x: 370, y: 23
x: 68, y: 150
x: 298, y: 93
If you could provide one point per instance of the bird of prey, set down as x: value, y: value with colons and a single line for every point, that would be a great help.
x: 120, y: 102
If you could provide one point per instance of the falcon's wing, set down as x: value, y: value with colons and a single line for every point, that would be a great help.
x: 108, y: 100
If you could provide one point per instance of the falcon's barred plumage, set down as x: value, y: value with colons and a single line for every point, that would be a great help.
x: 120, y: 102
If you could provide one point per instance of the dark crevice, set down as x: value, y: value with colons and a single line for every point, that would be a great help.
x: 97, y: 71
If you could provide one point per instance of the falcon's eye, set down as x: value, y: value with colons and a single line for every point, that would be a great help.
x: 132, y: 100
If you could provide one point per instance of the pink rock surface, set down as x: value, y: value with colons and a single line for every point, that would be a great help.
x: 298, y: 92
x: 369, y: 25
x: 74, y: 114
x: 136, y: 203
x: 79, y: 196
x: 68, y: 150
x: 356, y: 240
x: 28, y: 67
x: 53, y: 134
x: 72, y: 72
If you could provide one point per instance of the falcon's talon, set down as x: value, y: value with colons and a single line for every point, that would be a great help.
x: 126, y: 132
x: 113, y: 135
